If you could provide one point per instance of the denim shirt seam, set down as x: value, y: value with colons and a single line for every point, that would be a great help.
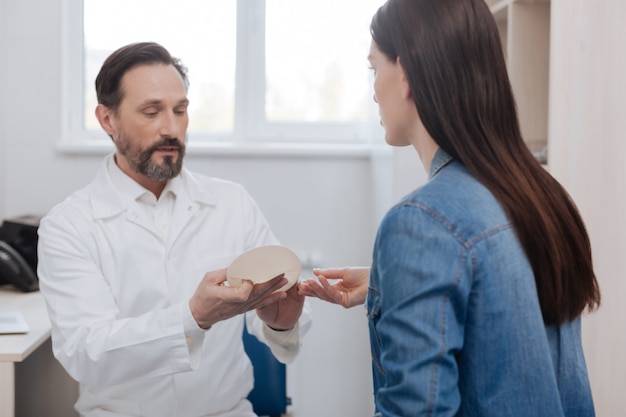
x: 465, y: 242
x: 489, y: 232
x: 440, y: 219
x: 465, y: 249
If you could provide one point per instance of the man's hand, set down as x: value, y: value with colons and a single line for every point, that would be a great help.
x: 350, y: 291
x: 213, y: 301
x: 284, y: 314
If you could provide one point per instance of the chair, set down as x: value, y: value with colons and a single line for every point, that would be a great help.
x: 269, y: 394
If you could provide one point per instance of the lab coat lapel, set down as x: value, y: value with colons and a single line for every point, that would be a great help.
x: 184, y: 211
x: 190, y: 198
x: 136, y: 216
x: 107, y: 201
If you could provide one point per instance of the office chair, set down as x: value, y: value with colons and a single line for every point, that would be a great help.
x: 269, y: 394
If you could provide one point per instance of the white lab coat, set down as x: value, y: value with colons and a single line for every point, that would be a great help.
x: 117, y: 295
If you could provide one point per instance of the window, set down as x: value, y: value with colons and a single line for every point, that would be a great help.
x: 260, y: 70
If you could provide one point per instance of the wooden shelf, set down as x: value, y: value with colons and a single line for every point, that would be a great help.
x: 524, y: 27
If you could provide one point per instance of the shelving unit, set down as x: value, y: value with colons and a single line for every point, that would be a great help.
x: 525, y: 33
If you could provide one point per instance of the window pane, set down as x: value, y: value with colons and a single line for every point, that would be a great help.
x: 201, y: 33
x: 316, y: 60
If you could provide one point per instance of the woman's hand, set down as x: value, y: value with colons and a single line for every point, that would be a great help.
x: 349, y: 291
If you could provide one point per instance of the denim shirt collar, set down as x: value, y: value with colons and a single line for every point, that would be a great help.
x: 440, y: 160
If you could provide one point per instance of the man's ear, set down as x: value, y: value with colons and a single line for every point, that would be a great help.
x: 406, y: 88
x: 106, y: 118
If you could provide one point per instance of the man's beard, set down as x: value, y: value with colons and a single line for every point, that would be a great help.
x: 140, y: 160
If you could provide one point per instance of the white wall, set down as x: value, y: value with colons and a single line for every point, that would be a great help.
x: 407, y: 170
x: 586, y: 153
x: 320, y: 206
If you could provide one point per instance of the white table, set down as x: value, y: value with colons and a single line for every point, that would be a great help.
x: 42, y: 372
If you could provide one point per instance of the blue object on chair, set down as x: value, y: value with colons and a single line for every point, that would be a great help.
x: 269, y: 394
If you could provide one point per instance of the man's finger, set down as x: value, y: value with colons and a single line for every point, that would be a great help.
x: 266, y: 301
x: 270, y: 286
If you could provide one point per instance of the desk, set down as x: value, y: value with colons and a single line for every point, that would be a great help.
x: 27, y: 368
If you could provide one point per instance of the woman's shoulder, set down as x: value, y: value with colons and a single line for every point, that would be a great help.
x: 454, y: 199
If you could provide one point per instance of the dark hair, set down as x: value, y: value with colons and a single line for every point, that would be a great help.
x: 119, y: 62
x: 453, y: 60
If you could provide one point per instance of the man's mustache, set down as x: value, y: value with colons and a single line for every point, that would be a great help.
x: 169, y: 142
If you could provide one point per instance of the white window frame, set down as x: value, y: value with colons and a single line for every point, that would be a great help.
x: 252, y: 133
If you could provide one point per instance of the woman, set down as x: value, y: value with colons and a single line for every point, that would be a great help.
x: 479, y: 277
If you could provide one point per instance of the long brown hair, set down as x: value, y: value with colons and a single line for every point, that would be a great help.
x: 453, y: 59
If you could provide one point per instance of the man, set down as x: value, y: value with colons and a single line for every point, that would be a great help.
x: 136, y: 319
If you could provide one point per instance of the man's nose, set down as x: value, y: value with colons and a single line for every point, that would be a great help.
x: 169, y: 125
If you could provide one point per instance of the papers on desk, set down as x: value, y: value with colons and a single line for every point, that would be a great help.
x: 12, y: 322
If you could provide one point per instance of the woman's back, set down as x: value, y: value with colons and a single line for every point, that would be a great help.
x: 454, y: 312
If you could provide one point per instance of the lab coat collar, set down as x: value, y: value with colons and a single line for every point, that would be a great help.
x: 108, y: 200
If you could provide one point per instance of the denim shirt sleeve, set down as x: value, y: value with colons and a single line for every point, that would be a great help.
x: 417, y: 305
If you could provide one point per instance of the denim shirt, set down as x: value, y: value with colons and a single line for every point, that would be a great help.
x: 455, y: 323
